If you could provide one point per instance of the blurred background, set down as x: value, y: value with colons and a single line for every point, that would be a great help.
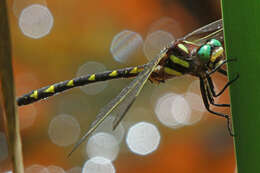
x: 166, y: 130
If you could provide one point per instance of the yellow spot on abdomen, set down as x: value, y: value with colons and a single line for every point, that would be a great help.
x: 70, y: 83
x: 113, y: 73
x: 184, y: 48
x: 134, y: 70
x: 92, y: 77
x: 139, y: 70
x: 179, y: 61
x: 50, y: 89
x: 34, y: 94
x: 172, y: 72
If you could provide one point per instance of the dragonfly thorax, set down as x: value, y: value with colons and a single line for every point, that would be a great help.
x: 177, y: 61
x: 185, y: 57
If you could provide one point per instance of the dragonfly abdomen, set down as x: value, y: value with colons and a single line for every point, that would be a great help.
x: 79, y: 81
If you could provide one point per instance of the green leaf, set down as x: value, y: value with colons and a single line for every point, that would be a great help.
x: 242, y: 35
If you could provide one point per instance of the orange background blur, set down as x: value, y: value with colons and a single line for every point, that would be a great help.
x: 82, y: 32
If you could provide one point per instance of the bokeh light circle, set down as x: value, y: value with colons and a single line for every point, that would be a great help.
x: 64, y: 130
x: 181, y: 110
x: 107, y: 127
x: 195, y: 101
x: 19, y: 5
x: 36, y: 169
x: 103, y: 145
x: 36, y: 21
x: 156, y: 42
x: 98, y: 165
x: 8, y: 172
x: 76, y: 169
x: 167, y: 24
x: 125, y: 44
x: 143, y: 138
x: 198, y: 109
x: 55, y: 169
x: 163, y: 110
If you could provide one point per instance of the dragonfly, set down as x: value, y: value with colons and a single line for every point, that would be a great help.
x: 199, y: 53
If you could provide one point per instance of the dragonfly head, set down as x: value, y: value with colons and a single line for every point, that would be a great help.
x: 211, y: 53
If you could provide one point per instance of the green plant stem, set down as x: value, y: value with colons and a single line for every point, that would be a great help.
x: 242, y: 35
x: 8, y: 90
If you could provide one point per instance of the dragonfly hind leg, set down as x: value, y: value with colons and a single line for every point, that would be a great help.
x: 206, y: 99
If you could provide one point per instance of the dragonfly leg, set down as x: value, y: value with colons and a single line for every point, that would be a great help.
x: 211, y: 85
x: 211, y: 99
x: 222, y: 71
x: 218, y: 67
x: 206, y: 99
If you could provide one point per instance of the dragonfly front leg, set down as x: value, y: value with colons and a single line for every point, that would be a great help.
x: 211, y: 85
x: 206, y: 99
x: 218, y: 67
x: 223, y: 72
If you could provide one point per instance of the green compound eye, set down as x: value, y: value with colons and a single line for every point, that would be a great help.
x: 204, y: 52
x: 214, y: 43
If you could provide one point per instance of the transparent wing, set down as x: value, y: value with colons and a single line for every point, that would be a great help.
x: 217, y: 35
x: 212, y: 30
x: 128, y: 45
x: 123, y: 101
x: 122, y: 108
x: 155, y: 42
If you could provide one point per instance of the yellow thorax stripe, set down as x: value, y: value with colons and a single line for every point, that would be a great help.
x: 172, y: 72
x: 184, y: 48
x: 179, y: 61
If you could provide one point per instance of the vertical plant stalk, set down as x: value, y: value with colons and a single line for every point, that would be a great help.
x: 242, y: 42
x: 9, y: 104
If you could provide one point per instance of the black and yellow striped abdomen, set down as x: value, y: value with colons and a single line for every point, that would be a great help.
x: 79, y: 81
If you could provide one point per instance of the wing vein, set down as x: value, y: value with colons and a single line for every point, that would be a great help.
x: 123, y: 101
